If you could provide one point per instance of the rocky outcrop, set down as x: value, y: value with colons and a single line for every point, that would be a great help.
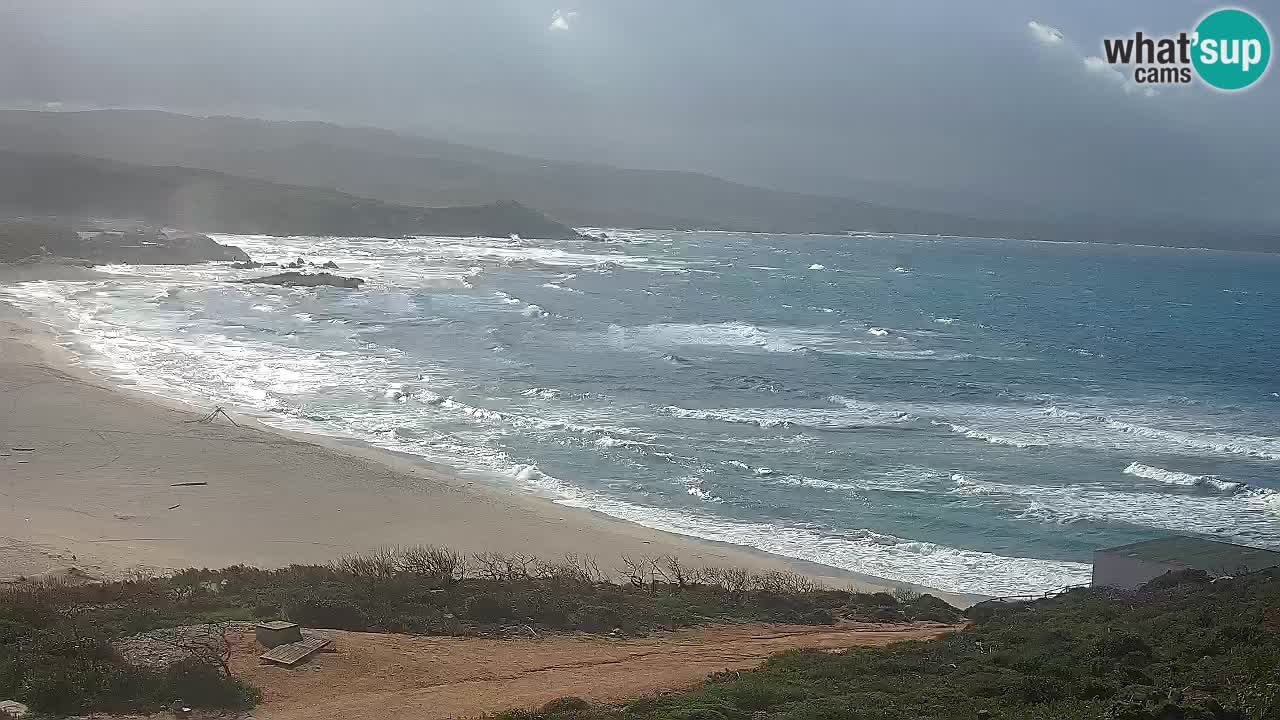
x: 297, y: 279
x: 130, y: 243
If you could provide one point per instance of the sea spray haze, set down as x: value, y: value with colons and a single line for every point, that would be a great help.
x: 974, y: 415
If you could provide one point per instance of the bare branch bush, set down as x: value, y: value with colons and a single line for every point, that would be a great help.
x: 432, y: 561
x: 779, y: 581
x: 509, y: 567
x: 731, y: 579
x: 377, y: 563
x: 206, y: 645
x: 637, y: 570
x: 675, y: 572
x: 905, y: 596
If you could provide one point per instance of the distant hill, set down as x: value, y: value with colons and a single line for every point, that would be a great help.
x: 416, y: 171
x: 73, y: 185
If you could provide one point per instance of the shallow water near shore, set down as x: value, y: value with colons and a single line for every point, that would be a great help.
x: 972, y: 415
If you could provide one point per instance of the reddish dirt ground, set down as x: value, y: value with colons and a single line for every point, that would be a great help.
x: 400, y: 677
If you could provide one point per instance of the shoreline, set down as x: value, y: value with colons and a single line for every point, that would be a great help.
x: 105, y: 498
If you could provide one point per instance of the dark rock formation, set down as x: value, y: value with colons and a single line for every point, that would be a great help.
x: 297, y: 279
x: 130, y: 243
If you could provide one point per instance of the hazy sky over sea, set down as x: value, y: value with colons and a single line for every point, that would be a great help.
x: 994, y: 99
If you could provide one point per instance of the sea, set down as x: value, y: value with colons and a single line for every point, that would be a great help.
x: 974, y: 415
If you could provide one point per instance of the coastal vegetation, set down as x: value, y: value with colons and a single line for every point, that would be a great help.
x: 58, y: 642
x: 1181, y: 648
x: 1184, y: 646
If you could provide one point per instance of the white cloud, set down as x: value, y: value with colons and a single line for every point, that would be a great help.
x: 1093, y: 64
x: 1098, y: 66
x: 561, y: 19
x: 1045, y: 33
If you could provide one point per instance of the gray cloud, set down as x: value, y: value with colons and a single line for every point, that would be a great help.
x: 996, y: 100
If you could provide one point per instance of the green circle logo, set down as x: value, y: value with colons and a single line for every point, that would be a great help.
x: 1232, y: 49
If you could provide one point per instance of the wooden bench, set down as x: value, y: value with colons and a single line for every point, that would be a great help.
x: 291, y: 654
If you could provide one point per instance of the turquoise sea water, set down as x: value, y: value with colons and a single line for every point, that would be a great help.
x: 974, y: 415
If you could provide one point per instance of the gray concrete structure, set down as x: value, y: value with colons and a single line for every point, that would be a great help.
x: 277, y: 632
x: 1130, y: 566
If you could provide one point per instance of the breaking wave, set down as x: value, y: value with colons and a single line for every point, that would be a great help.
x: 857, y: 550
x: 1173, y: 477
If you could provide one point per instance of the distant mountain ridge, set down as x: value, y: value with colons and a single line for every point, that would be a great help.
x: 415, y: 171
x: 78, y: 186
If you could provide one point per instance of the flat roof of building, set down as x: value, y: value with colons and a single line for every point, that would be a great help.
x: 1201, y: 554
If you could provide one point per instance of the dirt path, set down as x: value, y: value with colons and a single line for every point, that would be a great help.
x: 400, y: 677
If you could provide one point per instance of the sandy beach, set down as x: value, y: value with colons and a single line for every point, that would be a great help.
x: 108, y: 480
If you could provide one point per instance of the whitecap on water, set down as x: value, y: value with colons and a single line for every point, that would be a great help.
x: 1247, y: 515
x: 1174, y: 477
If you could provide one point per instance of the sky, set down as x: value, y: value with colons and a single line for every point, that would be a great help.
x: 994, y: 101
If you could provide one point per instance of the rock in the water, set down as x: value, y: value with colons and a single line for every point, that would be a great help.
x: 329, y: 265
x: 297, y: 279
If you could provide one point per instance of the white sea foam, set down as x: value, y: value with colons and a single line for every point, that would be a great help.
x: 1174, y: 477
x: 1263, y: 448
x: 609, y: 441
x: 729, y: 335
x: 829, y: 418
x: 818, y: 483
x: 912, y: 480
x: 1054, y: 426
x: 878, y: 332
x: 946, y: 320
x: 817, y: 266
x: 781, y: 339
x: 858, y: 550
x: 1019, y: 440
x: 557, y: 286
x: 399, y: 392
x: 1248, y: 515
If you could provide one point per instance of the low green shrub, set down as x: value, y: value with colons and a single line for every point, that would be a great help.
x: 1178, y: 649
x: 55, y: 642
